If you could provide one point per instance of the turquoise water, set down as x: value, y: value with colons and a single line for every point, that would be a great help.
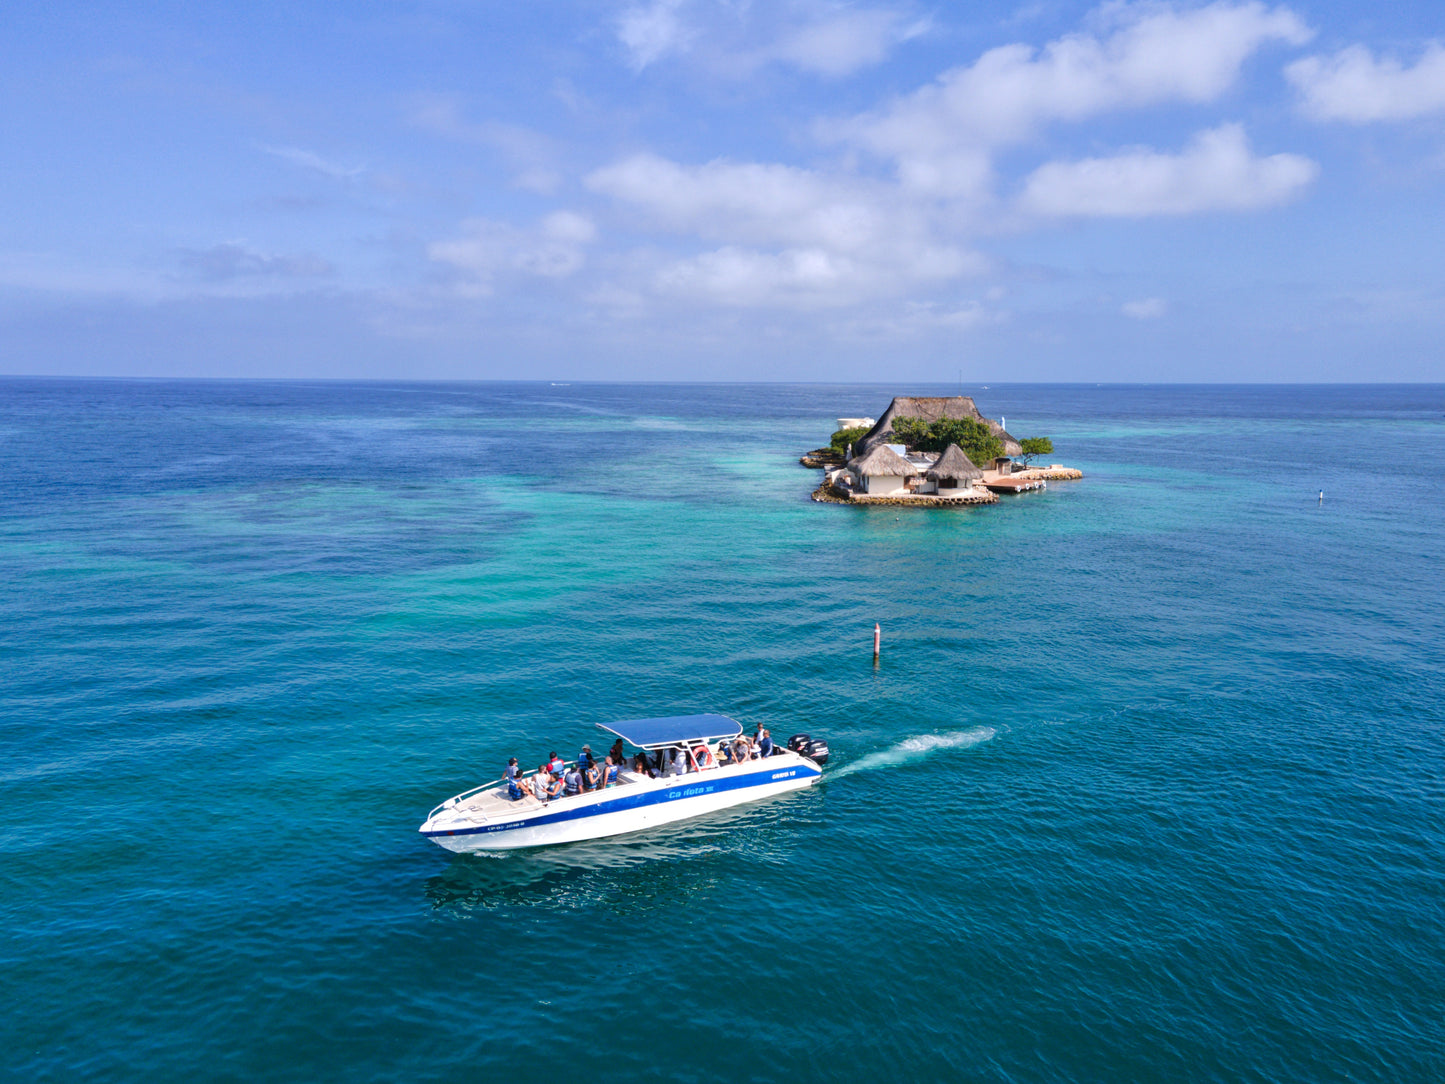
x: 1147, y: 785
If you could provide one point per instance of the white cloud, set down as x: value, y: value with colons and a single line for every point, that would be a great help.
x: 653, y: 31
x: 314, y: 162
x: 530, y: 154
x: 232, y: 260
x: 734, y: 40
x: 939, y: 135
x: 845, y: 42
x: 784, y: 233
x: 488, y: 250
x: 1148, y: 308
x: 748, y: 202
x: 1354, y: 86
x: 1216, y: 172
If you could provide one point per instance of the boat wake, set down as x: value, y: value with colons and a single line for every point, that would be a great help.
x: 914, y: 749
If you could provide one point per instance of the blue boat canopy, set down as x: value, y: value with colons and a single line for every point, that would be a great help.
x: 674, y: 730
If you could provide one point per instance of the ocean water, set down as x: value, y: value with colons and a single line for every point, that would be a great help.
x: 1148, y: 784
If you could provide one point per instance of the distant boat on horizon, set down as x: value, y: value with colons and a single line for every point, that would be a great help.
x: 557, y: 385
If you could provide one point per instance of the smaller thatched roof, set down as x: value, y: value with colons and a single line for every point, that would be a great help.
x: 953, y: 463
x: 883, y: 460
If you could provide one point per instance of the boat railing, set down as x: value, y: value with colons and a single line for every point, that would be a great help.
x: 453, y: 802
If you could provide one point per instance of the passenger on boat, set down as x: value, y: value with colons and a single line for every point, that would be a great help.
x: 592, y: 777
x: 586, y: 762
x: 618, y: 756
x: 676, y: 761
x: 609, y: 772
x: 541, y: 783
x: 703, y: 757
x: 765, y: 744
x: 555, y: 787
x: 513, y: 776
x: 742, y: 750
x: 555, y: 764
x: 572, y: 781
x: 642, y: 766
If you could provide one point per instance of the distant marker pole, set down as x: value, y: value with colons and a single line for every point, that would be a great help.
x: 877, y: 640
x: 1322, y: 496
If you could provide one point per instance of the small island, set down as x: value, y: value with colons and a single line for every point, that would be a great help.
x: 925, y: 452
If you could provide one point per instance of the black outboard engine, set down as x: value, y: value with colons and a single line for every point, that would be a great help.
x: 815, y: 749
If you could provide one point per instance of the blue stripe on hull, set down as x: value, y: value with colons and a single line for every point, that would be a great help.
x: 693, y: 788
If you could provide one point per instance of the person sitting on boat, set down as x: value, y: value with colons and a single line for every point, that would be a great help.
x: 555, y: 787
x: 765, y: 744
x: 541, y: 783
x: 742, y: 750
x: 513, y: 775
x: 676, y: 761
x: 609, y: 773
x: 572, y: 781
x: 586, y: 763
x: 618, y: 756
x: 642, y: 766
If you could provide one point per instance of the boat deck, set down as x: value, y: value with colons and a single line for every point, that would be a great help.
x: 494, y: 802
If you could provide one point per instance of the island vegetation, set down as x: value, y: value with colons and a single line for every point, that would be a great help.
x: 927, y: 452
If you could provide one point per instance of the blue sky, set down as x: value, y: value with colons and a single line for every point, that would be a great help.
x: 724, y: 190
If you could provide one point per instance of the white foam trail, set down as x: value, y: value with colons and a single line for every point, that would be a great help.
x: 911, y: 749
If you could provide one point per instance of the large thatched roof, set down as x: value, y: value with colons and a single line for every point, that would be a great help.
x: 930, y: 408
x: 955, y: 464
x: 883, y: 460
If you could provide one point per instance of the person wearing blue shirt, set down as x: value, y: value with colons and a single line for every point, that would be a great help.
x: 765, y: 744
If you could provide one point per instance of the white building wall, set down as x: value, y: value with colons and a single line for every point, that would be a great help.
x: 883, y: 485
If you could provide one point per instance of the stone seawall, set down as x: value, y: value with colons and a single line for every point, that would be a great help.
x: 1050, y: 474
x: 833, y: 495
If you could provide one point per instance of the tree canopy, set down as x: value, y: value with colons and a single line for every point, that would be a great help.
x: 844, y: 437
x: 1032, y: 446
x: 972, y: 436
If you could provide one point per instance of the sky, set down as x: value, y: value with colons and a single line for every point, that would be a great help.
x: 802, y: 190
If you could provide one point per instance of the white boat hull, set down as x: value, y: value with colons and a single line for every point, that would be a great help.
x: 489, y: 822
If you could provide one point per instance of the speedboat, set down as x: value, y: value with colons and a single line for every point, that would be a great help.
x: 696, y: 773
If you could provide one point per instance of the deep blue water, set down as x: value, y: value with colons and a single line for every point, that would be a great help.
x: 1147, y: 786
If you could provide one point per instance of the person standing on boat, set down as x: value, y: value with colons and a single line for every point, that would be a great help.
x: 765, y: 743
x: 609, y: 773
x: 618, y: 756
x: 555, y: 764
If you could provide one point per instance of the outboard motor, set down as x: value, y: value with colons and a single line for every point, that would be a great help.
x: 815, y: 749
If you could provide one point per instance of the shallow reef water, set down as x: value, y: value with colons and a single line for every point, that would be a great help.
x: 1145, y: 786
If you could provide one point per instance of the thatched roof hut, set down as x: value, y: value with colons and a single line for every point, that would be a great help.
x: 954, y: 466
x: 883, y: 461
x: 931, y: 408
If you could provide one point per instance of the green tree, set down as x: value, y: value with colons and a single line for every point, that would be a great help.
x: 844, y: 437
x: 1033, y: 446
x: 972, y: 436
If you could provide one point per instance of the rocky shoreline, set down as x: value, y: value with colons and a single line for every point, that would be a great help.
x: 831, y: 494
